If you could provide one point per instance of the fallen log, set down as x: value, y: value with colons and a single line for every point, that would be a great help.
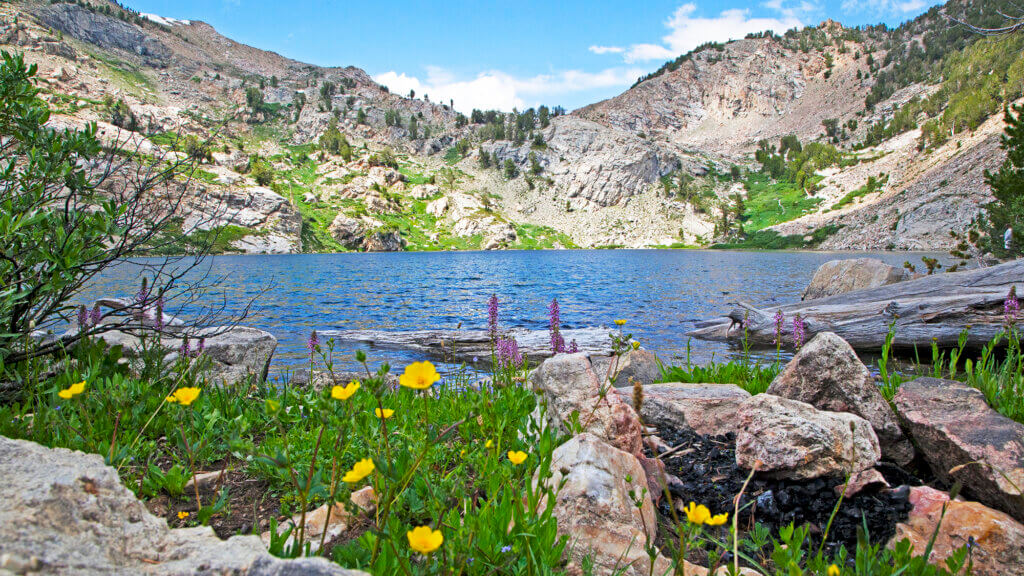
x: 474, y: 346
x: 934, y: 308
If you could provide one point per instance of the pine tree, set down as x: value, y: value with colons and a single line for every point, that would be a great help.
x: 1007, y: 211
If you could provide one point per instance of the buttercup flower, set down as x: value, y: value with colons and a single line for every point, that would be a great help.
x: 186, y: 396
x: 171, y: 400
x: 72, y: 391
x: 833, y: 570
x: 419, y: 376
x: 182, y: 515
x: 65, y: 394
x: 387, y: 413
x: 697, y: 513
x: 361, y: 470
x: 344, y: 392
x: 717, y: 519
x: 516, y: 457
x: 425, y: 540
x: 488, y: 444
x: 620, y: 322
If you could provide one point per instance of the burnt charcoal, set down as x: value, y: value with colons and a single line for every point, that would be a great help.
x: 708, y: 474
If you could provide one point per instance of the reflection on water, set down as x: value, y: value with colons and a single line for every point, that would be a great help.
x: 660, y: 292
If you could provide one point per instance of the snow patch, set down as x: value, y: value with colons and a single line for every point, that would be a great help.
x: 165, y: 21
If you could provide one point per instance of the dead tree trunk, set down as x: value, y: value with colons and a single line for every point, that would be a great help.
x: 934, y: 308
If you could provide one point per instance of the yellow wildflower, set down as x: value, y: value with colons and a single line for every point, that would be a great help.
x: 717, y: 519
x: 65, y: 394
x: 171, y: 399
x: 186, y: 396
x: 636, y: 345
x: 419, y: 376
x: 78, y: 388
x: 344, y: 392
x: 361, y: 470
x: 697, y: 513
x: 620, y: 322
x: 182, y: 515
x: 833, y: 570
x: 488, y: 444
x: 385, y: 414
x: 516, y: 457
x: 425, y: 540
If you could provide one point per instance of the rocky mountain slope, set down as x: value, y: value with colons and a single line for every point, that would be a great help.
x: 294, y: 157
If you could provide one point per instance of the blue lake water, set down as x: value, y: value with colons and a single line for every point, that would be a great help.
x: 661, y: 293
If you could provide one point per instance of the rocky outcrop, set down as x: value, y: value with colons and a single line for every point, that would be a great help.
x: 784, y: 438
x: 384, y: 241
x: 996, y: 539
x: 827, y: 374
x: 964, y: 440
x: 105, y: 32
x: 347, y: 231
x: 64, y: 512
x: 709, y: 409
x: 842, y: 276
x: 276, y: 225
x: 470, y: 217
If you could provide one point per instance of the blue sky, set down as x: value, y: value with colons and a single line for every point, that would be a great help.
x: 510, y: 54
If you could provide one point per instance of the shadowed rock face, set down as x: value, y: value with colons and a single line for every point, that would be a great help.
x: 827, y: 374
x: 952, y: 425
x: 999, y: 539
x: 64, y: 512
x: 105, y: 32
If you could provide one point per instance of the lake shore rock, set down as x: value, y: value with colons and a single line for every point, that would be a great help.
x: 965, y: 440
x: 709, y: 409
x: 842, y: 276
x: 827, y: 374
x: 785, y: 438
x: 633, y: 366
x: 65, y: 512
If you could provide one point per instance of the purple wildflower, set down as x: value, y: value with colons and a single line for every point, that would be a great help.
x: 573, y: 348
x: 186, y: 349
x: 83, y: 318
x: 508, y: 353
x: 554, y: 327
x: 313, y: 343
x: 506, y: 549
x: 200, y: 347
x: 798, y: 331
x: 1011, y: 307
x: 143, y: 294
x: 492, y: 317
x: 780, y: 318
x: 96, y: 315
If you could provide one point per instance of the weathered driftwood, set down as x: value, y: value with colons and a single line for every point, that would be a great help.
x: 933, y: 308
x: 465, y: 345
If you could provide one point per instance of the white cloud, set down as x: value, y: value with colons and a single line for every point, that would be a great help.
x: 884, y: 6
x: 687, y: 31
x: 607, y: 49
x: 497, y: 90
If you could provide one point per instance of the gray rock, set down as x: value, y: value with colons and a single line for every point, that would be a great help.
x: 842, y: 276
x: 636, y: 365
x: 64, y: 512
x: 953, y: 426
x: 827, y: 374
x: 105, y: 32
x: 785, y: 438
x: 704, y: 408
x: 384, y: 242
x: 347, y: 231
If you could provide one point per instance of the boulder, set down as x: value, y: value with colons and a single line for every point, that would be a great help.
x: 704, y: 408
x: 998, y: 548
x: 424, y: 191
x: 635, y: 365
x: 789, y: 439
x: 570, y: 386
x: 842, y: 276
x: 65, y: 512
x: 827, y: 374
x: 965, y: 440
x: 595, y: 508
x: 337, y: 520
x: 438, y: 207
